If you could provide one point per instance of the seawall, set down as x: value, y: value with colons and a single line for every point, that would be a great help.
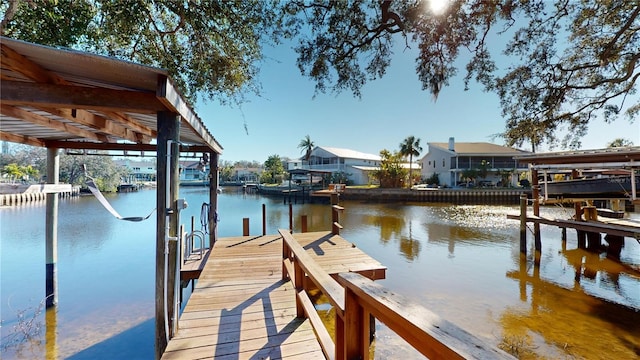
x: 16, y: 194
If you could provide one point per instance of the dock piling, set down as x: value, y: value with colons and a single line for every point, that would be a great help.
x: 245, y: 226
x: 264, y: 219
x: 523, y: 224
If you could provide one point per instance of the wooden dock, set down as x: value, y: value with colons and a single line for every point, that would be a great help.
x: 193, y: 265
x: 242, y: 309
x: 616, y: 227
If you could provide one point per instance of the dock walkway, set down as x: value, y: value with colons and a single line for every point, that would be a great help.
x: 241, y: 308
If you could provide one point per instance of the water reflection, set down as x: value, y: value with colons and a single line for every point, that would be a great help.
x: 567, y: 320
x: 410, y: 246
x: 461, y: 262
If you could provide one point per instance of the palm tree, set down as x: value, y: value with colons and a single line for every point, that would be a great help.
x: 410, y: 147
x: 306, y: 146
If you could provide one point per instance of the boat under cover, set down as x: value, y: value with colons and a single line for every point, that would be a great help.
x: 614, y: 186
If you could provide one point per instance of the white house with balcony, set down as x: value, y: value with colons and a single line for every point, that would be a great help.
x: 356, y: 165
x: 450, y: 160
x: 139, y: 170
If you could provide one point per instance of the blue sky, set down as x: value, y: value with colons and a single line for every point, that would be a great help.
x: 390, y: 109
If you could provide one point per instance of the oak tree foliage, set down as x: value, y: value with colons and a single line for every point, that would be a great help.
x: 555, y: 64
x: 210, y: 48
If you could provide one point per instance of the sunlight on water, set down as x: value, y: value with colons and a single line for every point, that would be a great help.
x: 461, y: 262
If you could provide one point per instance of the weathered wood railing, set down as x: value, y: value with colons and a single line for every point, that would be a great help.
x: 355, y: 298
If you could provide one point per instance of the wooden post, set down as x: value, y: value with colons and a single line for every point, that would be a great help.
x: 298, y: 279
x: 355, y: 341
x: 536, y: 212
x: 167, y: 225
x: 213, y: 198
x: 615, y: 245
x: 290, y: 217
x: 264, y: 219
x: 340, y: 338
x: 523, y: 224
x: 51, y: 333
x: 303, y: 225
x: 594, y: 240
x: 51, y: 237
x: 285, y: 255
x: 245, y: 227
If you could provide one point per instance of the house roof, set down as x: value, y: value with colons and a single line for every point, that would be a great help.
x: 348, y: 153
x: 478, y: 148
x: 75, y: 100
x: 629, y: 154
x: 134, y: 163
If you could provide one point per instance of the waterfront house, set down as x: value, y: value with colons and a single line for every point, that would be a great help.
x: 193, y: 173
x: 139, y: 170
x: 243, y: 175
x: 355, y: 165
x: 450, y: 160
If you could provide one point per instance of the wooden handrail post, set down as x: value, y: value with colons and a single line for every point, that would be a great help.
x: 303, y: 225
x: 285, y: 256
x: 298, y: 278
x: 340, y: 338
x: 335, y: 219
x: 355, y: 341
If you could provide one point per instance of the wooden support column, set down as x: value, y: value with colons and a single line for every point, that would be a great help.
x: 51, y: 236
x: 167, y: 220
x: 356, y: 328
x: 536, y: 212
x: 264, y: 219
x: 290, y: 217
x: 523, y: 224
x: 213, y: 198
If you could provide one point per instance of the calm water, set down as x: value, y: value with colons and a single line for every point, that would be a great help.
x: 462, y: 262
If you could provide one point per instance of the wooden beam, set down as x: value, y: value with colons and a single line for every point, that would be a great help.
x: 171, y: 98
x: 50, y: 123
x: 73, y: 97
x: 21, y: 139
x: 117, y: 146
x: 99, y: 123
x: 129, y: 123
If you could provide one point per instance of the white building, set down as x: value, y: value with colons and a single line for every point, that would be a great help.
x: 140, y: 170
x: 354, y: 164
x: 450, y: 160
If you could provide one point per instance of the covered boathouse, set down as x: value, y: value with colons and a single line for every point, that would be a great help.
x: 65, y: 99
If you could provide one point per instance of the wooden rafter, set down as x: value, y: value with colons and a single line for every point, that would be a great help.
x: 21, y: 139
x: 50, y: 123
x: 97, y: 122
x: 17, y: 62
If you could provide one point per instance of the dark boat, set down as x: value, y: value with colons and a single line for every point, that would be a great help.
x: 614, y: 186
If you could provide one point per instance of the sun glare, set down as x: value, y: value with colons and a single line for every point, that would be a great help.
x: 438, y: 6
